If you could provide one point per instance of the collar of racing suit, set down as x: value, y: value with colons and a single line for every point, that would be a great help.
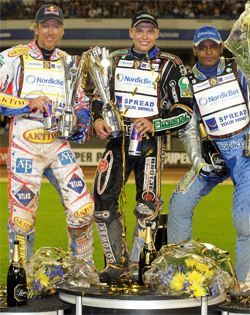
x: 201, y: 76
x: 151, y: 53
x: 46, y: 53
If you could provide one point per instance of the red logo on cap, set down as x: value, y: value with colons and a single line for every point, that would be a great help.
x: 51, y: 10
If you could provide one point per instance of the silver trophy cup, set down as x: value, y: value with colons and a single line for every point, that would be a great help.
x: 72, y: 72
x: 98, y: 66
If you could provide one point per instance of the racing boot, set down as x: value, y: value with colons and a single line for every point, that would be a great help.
x: 109, y: 228
x: 26, y: 244
x: 81, y: 243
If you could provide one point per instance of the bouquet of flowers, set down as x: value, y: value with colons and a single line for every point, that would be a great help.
x: 50, y: 266
x: 190, y: 268
x: 238, y: 41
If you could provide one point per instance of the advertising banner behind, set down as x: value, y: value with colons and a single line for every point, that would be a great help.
x: 92, y: 156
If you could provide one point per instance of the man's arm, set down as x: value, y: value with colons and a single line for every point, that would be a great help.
x: 80, y: 132
x: 100, y: 127
x: 15, y: 106
x: 177, y: 99
x: 190, y: 139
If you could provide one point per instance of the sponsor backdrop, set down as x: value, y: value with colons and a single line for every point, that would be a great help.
x: 92, y: 156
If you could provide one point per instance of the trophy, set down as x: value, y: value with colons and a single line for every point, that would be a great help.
x: 72, y: 71
x: 98, y: 67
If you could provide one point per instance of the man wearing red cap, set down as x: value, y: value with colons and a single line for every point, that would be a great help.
x: 33, y: 75
x: 151, y: 89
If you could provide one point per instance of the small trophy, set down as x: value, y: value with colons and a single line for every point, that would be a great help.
x: 246, y: 145
x: 72, y: 72
x: 98, y: 67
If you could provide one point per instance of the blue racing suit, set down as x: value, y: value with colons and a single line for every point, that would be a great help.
x: 227, y: 125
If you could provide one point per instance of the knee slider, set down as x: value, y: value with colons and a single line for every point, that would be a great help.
x: 106, y: 216
x: 143, y: 212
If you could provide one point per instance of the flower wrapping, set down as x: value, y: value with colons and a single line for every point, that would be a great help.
x: 49, y: 267
x: 238, y: 41
x: 191, y: 268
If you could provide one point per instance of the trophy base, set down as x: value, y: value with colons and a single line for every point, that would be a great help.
x: 115, y: 134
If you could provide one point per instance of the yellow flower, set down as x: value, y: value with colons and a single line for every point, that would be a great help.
x: 208, y: 274
x: 43, y: 280
x: 196, y: 290
x: 190, y: 262
x: 195, y: 276
x: 202, y: 267
x: 177, y: 282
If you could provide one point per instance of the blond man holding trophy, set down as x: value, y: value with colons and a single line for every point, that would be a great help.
x: 152, y: 94
x: 41, y: 74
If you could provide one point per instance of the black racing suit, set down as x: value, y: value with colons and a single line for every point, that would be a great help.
x: 152, y: 86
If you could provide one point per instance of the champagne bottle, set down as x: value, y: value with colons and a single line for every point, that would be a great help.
x: 148, y: 253
x: 16, y: 280
x: 161, y: 235
x: 210, y: 151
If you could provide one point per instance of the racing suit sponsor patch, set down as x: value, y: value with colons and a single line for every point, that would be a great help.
x: 104, y: 168
x: 62, y: 54
x: 85, y: 210
x: 40, y: 136
x: 24, y: 224
x: 186, y: 182
x: 24, y: 165
x: 231, y: 145
x: 76, y: 184
x: 103, y: 234
x: 12, y: 101
x: 149, y: 179
x: 83, y: 248
x: 67, y: 157
x: 169, y: 123
x: 185, y: 88
x: 212, y: 124
x: 18, y: 51
x: 24, y: 195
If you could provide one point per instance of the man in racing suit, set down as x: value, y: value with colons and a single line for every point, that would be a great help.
x: 220, y: 95
x: 32, y: 75
x: 152, y: 91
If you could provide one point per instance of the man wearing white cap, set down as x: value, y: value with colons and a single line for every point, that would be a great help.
x: 220, y: 97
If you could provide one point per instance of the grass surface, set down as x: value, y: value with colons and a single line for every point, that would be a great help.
x: 212, y: 221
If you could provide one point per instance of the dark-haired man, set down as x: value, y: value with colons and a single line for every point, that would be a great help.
x: 220, y: 95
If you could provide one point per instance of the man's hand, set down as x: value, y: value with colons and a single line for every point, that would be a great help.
x: 211, y: 172
x: 143, y: 126
x: 102, y: 129
x: 40, y: 104
x: 78, y: 134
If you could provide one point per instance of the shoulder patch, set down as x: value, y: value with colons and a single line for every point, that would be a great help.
x: 176, y: 59
x: 62, y: 53
x: 19, y: 50
x: 119, y: 52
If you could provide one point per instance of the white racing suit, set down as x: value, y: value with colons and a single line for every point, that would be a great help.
x: 167, y: 104
x: 227, y: 125
x: 24, y: 75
